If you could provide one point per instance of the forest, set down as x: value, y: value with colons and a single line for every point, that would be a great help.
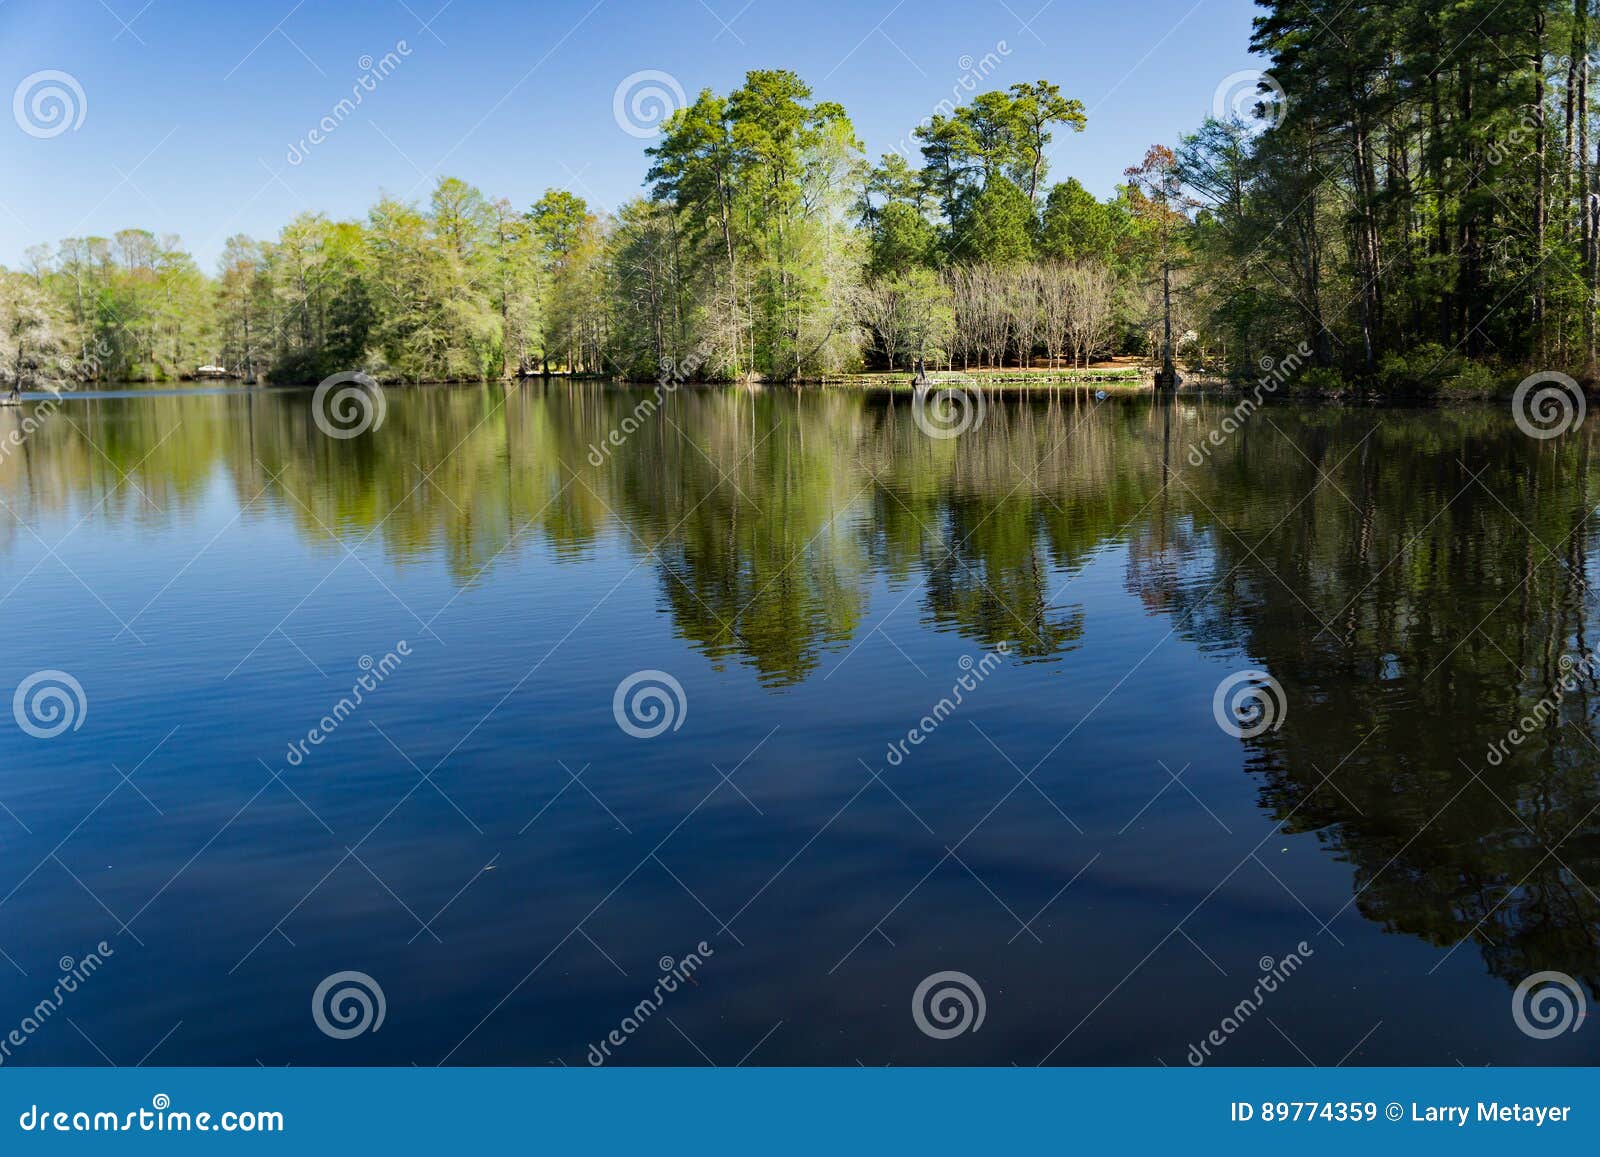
x: 1411, y: 193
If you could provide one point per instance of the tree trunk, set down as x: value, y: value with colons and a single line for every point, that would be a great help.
x: 1539, y: 188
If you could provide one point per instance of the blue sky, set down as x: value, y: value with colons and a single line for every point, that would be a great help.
x: 190, y: 111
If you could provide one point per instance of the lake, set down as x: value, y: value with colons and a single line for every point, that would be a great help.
x: 776, y: 696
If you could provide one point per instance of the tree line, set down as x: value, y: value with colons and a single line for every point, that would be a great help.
x: 764, y: 245
x: 1414, y: 200
x: 1422, y: 206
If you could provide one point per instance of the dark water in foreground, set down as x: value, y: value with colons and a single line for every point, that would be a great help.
x: 1079, y: 835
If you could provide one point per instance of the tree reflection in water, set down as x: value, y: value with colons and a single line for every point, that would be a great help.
x: 1416, y: 580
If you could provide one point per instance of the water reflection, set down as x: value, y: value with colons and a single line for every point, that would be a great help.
x: 1413, y: 579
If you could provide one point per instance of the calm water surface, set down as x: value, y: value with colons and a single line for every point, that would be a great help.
x: 1079, y: 835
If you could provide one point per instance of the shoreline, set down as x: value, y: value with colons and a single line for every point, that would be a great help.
x: 1124, y: 386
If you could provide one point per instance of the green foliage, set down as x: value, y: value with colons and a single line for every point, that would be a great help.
x: 1422, y: 179
x: 761, y: 183
x: 1420, y: 372
x: 134, y: 306
x: 999, y: 134
x: 1034, y: 108
x: 1075, y: 225
x: 570, y: 243
x: 994, y: 225
x: 902, y: 239
x: 33, y: 332
x: 910, y: 317
x: 1318, y: 381
x: 1473, y: 381
x: 1415, y: 208
x: 765, y: 247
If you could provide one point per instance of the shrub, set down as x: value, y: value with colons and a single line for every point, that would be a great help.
x: 1423, y: 371
x: 1394, y: 372
x: 1318, y: 380
x: 1472, y: 380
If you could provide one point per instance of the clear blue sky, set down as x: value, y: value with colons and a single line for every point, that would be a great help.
x: 190, y: 109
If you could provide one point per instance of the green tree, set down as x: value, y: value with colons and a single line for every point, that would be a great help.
x: 1035, y: 108
x: 995, y: 225
x: 571, y: 241
x: 695, y: 169
x: 902, y: 239
x: 1075, y: 225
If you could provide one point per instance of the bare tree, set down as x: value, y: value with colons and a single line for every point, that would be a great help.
x: 963, y: 289
x: 993, y: 316
x: 908, y: 314
x: 1054, y: 309
x: 1091, y: 293
x: 1021, y: 291
x: 880, y: 307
